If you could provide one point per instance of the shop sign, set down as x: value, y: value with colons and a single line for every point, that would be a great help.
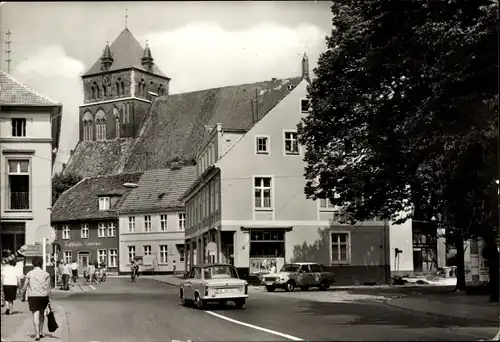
x: 31, y: 250
x: 484, y: 274
x: 79, y: 244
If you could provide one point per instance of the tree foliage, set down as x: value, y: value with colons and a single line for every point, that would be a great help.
x: 404, y: 114
x: 62, y: 182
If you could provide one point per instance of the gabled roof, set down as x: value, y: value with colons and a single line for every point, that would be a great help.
x: 175, y: 126
x: 13, y: 93
x: 127, y: 53
x: 159, y: 190
x: 81, y: 201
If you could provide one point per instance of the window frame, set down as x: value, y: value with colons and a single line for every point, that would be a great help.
x: 84, y: 228
x: 148, y: 228
x: 102, y: 229
x: 131, y: 224
x: 271, y: 193
x: 267, y: 152
x: 147, y: 251
x: 162, y: 253
x: 104, y: 203
x: 114, y: 255
x: 129, y: 248
x: 181, y: 221
x: 66, y: 229
x: 285, y: 152
x: 105, y: 256
x: 14, y: 127
x: 308, y: 108
x: 18, y: 172
x: 348, y: 248
x: 163, y: 222
x: 66, y: 258
x: 111, y: 227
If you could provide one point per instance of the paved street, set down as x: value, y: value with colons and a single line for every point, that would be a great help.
x: 150, y: 311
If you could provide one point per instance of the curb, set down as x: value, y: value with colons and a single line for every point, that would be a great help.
x: 388, y: 303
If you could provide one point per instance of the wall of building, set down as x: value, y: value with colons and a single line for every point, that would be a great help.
x: 368, y: 260
x: 401, y: 238
x: 173, y: 237
x: 37, y: 148
x: 123, y: 76
x: 152, y: 83
x: 76, y: 244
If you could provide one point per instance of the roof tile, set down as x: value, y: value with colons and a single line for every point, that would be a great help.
x: 159, y: 190
x: 13, y: 93
x: 81, y: 201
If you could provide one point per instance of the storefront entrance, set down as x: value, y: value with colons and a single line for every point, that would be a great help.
x: 83, y: 259
x: 267, y: 248
x: 12, y: 236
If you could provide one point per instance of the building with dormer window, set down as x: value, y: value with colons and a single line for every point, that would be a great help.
x: 86, y: 220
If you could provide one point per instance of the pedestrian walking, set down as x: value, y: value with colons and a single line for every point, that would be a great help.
x: 133, y: 270
x: 91, y: 270
x: 11, y: 280
x: 74, y: 271
x: 66, y: 274
x: 37, y: 288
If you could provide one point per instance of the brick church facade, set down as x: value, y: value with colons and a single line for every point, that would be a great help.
x: 116, y: 90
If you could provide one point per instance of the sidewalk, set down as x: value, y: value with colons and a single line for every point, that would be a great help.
x: 455, y: 305
x: 19, y: 326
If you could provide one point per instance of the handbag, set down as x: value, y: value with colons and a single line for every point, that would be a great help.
x: 51, y: 320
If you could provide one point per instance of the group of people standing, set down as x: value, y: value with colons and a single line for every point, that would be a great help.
x: 35, y: 286
x: 68, y: 273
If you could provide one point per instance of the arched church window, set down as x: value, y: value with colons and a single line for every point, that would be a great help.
x: 97, y: 91
x: 104, y: 90
x: 122, y: 86
x: 92, y: 92
x: 117, y: 87
x: 88, y: 126
x: 100, y: 125
x: 116, y: 115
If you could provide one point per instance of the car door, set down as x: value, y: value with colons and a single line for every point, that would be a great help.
x: 197, y: 281
x: 315, y: 274
x: 188, y: 285
x: 306, y: 277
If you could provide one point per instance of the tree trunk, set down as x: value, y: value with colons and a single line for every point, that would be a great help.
x: 459, y: 245
x: 491, y: 255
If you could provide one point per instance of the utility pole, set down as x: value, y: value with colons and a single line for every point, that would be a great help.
x: 8, y: 51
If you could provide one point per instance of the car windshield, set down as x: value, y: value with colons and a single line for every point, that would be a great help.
x: 290, y: 268
x: 219, y: 272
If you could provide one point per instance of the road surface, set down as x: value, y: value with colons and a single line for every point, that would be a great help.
x: 120, y: 311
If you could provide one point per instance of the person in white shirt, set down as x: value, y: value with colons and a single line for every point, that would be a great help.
x: 66, y: 275
x: 273, y: 267
x: 11, y: 279
x: 74, y: 271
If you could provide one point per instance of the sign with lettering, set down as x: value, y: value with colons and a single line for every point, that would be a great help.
x: 79, y: 244
x: 31, y: 250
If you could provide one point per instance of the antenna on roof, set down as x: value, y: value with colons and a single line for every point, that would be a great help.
x: 256, y: 105
x: 126, y: 18
x: 253, y: 115
x: 8, y: 51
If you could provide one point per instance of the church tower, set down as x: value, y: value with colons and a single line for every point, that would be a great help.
x: 116, y: 90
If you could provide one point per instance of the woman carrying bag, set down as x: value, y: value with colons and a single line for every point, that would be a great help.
x: 37, y: 287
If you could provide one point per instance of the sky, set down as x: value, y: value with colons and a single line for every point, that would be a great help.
x: 199, y: 45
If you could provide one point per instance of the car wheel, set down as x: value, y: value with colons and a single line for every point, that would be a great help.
x: 323, y: 286
x: 290, y: 286
x: 183, y: 299
x: 200, y: 303
x: 304, y: 288
x: 270, y: 288
x: 239, y: 303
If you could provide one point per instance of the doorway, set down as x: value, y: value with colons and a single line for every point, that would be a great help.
x: 12, y: 236
x: 83, y: 259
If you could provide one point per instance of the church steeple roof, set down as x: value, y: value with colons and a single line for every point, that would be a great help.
x: 127, y: 52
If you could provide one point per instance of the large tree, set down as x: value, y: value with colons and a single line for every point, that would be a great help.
x: 62, y: 182
x: 403, y: 116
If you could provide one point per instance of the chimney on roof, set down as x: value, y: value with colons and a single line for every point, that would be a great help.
x: 71, y: 152
x: 106, y: 58
x: 147, y: 60
x: 305, y: 68
x: 273, y: 79
x: 175, y: 165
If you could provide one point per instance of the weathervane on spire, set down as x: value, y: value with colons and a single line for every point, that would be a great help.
x: 126, y: 18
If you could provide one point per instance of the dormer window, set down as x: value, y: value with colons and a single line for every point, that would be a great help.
x: 103, y: 203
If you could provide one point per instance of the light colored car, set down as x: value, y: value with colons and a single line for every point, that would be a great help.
x: 301, y: 274
x: 217, y: 283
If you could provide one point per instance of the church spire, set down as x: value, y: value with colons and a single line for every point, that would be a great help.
x: 305, y: 68
x: 147, y: 60
x: 106, y: 58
